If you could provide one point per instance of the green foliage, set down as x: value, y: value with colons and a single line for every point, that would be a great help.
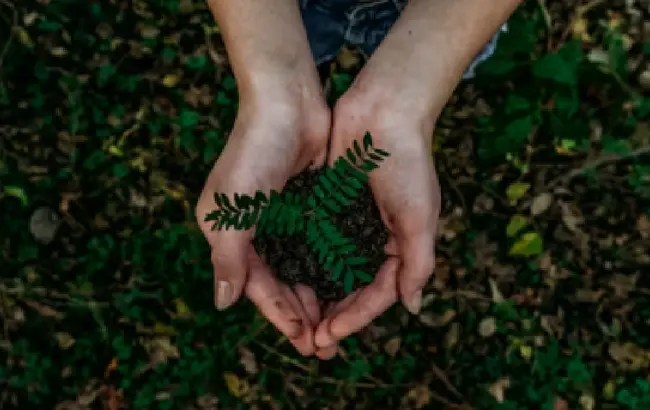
x: 287, y: 213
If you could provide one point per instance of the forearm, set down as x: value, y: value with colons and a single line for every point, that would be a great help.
x: 434, y: 41
x: 264, y: 40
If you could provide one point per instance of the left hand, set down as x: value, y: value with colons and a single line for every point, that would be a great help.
x: 406, y: 190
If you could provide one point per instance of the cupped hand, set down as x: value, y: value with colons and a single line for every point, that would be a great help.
x: 406, y: 190
x: 276, y: 135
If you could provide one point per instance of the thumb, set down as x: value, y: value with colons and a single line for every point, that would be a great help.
x: 418, y: 262
x: 230, y: 263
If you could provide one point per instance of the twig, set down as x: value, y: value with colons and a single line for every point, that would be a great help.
x: 440, y: 374
x: 578, y: 12
x: 5, y: 49
x: 590, y: 165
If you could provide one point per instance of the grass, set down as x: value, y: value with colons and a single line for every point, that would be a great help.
x: 111, y: 115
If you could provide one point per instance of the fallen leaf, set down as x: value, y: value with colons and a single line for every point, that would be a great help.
x: 487, y: 327
x: 516, y: 224
x: 164, y: 329
x: 529, y: 244
x: 16, y: 192
x: 526, y: 352
x: 43, y: 224
x: 170, y: 80
x: 392, y: 346
x: 23, y: 36
x: 236, y: 386
x: 111, y: 367
x: 64, y: 340
x: 58, y: 51
x: 587, y: 402
x: 247, y: 360
x: 419, y: 396
x: 182, y: 310
x: 541, y: 203
x: 609, y: 391
x: 498, y: 389
x: 517, y: 191
x: 629, y: 356
x: 432, y: 320
x: 497, y: 297
x: 452, y: 336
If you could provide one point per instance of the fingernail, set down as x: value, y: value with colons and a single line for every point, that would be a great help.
x: 414, y: 303
x: 224, y: 295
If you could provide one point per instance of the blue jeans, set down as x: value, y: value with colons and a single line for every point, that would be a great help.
x: 331, y: 24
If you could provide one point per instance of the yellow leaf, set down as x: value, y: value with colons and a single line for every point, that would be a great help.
x: 236, y: 386
x: 526, y: 352
x: 164, y: 329
x: 516, y: 191
x: 23, y: 37
x: 64, y: 340
x: 579, y: 29
x: 609, y: 391
x: 181, y: 308
x: 115, y: 150
x: 516, y: 224
x: 170, y: 80
x: 529, y: 244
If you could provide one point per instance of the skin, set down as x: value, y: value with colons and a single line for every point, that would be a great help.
x: 284, y: 126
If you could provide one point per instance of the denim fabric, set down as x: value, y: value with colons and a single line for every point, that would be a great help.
x: 331, y: 24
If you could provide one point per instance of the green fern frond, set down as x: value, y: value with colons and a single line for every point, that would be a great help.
x: 278, y: 214
x: 335, y: 252
x: 341, y: 184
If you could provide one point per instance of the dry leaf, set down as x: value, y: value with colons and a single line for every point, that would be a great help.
x: 432, y: 320
x: 497, y: 297
x: 247, y: 360
x: 419, y: 396
x: 170, y: 80
x: 498, y: 389
x: 587, y: 402
x: 452, y: 336
x: 236, y: 386
x: 629, y: 356
x: 541, y: 203
x: 64, y: 340
x: 58, y: 51
x: 392, y: 346
x: 487, y: 327
x: 43, y: 225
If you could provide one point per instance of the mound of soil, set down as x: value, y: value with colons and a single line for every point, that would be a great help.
x: 294, y: 262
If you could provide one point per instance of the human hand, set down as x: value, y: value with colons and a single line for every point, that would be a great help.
x: 406, y: 191
x: 277, y: 134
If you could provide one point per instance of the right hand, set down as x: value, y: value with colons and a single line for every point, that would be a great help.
x: 277, y: 134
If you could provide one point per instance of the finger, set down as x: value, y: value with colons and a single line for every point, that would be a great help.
x: 371, y: 302
x: 323, y: 337
x: 327, y: 353
x: 418, y: 256
x: 264, y: 290
x: 309, y: 302
x: 391, y: 248
x: 229, y: 261
x: 304, y: 343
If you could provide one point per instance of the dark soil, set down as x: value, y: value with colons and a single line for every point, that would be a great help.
x: 294, y: 262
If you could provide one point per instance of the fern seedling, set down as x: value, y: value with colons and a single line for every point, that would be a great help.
x: 287, y: 213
